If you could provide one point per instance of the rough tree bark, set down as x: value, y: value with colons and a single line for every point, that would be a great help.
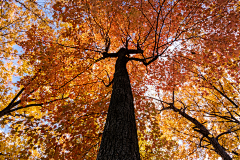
x: 119, y: 140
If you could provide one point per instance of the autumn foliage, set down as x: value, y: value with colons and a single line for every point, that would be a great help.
x: 58, y: 63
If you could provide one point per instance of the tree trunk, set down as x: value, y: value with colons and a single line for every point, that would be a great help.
x: 119, y: 140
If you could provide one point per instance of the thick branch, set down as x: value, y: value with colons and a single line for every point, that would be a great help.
x: 34, y: 105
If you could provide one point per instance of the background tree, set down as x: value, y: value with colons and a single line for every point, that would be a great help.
x: 16, y: 18
x: 75, y: 60
x: 207, y: 113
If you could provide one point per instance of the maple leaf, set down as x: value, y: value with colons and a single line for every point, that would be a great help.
x: 82, y: 68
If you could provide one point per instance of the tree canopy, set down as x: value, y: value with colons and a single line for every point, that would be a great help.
x: 183, y: 61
